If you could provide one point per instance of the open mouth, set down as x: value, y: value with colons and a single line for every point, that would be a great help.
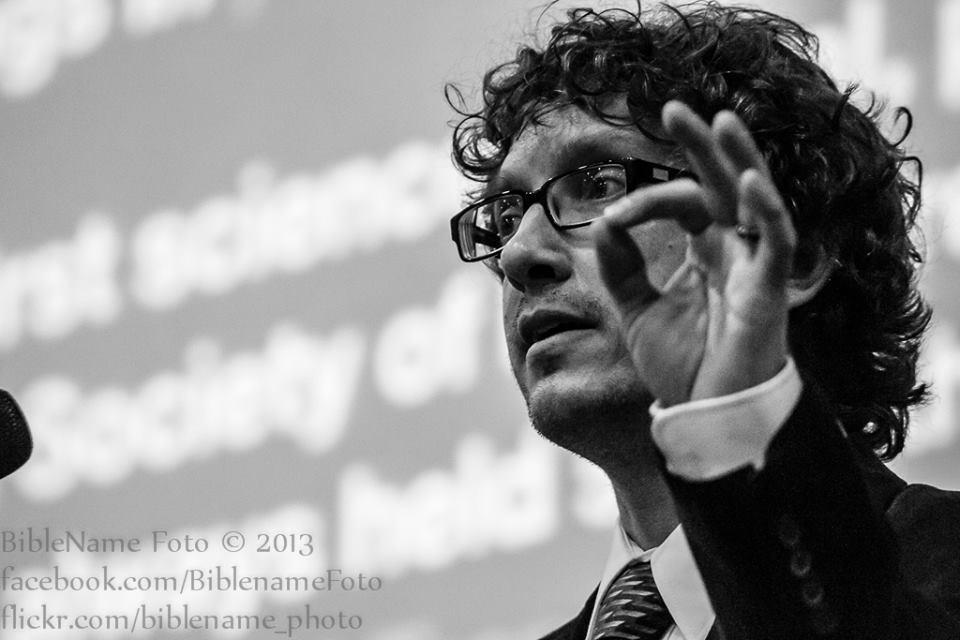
x: 542, y: 324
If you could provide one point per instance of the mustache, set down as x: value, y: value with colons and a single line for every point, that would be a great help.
x: 584, y: 304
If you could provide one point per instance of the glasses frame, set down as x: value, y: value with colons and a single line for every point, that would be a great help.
x: 638, y: 173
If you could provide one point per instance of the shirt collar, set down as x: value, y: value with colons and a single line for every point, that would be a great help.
x: 677, y: 577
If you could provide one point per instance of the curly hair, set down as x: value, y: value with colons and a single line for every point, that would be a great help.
x: 850, y: 198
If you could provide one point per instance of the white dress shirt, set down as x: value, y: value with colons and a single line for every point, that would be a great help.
x: 702, y: 440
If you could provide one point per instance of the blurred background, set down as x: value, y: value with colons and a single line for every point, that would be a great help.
x: 229, y: 302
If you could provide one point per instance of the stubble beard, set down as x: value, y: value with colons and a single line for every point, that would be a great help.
x: 609, y: 426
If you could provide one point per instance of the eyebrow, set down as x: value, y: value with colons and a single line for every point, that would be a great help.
x: 496, y: 184
x: 581, y: 151
x: 576, y: 152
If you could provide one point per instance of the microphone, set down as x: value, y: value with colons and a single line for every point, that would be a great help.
x: 15, y: 442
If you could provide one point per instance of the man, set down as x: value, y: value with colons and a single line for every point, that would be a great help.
x: 16, y: 445
x: 709, y: 291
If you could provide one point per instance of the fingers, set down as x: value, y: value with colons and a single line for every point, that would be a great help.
x: 718, y: 153
x: 734, y: 191
x: 716, y: 174
x: 622, y: 266
x: 737, y: 144
x: 762, y: 208
x: 679, y: 200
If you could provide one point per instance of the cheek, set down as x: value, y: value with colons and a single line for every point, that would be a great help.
x: 508, y: 302
x: 664, y: 247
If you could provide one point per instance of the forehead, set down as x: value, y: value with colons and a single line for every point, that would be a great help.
x: 567, y: 138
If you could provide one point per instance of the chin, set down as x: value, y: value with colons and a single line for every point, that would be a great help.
x: 597, y: 420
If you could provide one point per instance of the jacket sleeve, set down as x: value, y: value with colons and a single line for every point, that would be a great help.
x: 801, y: 550
x: 926, y: 524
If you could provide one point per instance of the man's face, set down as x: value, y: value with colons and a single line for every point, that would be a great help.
x: 562, y: 328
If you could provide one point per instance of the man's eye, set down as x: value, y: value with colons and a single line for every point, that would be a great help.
x: 507, y: 222
x: 599, y: 185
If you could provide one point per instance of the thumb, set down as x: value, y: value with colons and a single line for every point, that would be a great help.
x: 622, y: 267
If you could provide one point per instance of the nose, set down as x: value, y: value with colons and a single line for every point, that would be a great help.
x: 537, y: 255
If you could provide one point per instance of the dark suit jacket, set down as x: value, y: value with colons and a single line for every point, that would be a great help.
x: 824, y: 542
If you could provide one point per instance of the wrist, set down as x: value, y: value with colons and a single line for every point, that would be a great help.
x: 751, y: 363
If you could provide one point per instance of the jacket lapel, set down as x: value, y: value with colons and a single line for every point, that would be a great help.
x: 576, y: 629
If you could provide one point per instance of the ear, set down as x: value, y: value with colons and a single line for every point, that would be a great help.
x: 809, y: 277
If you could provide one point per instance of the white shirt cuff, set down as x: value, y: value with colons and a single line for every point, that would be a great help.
x: 708, y: 438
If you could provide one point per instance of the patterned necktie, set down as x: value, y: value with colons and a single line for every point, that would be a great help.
x: 632, y: 608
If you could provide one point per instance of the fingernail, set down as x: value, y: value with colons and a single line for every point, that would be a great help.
x: 749, y: 176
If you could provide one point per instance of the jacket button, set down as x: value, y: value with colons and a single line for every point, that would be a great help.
x: 812, y: 593
x: 823, y: 622
x: 800, y: 563
x: 788, y: 531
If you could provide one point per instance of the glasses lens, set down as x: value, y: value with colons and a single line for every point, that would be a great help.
x: 486, y: 226
x: 582, y: 195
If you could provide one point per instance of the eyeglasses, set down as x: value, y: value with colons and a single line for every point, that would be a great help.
x: 570, y: 200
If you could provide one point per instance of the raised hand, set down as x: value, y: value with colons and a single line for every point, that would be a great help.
x: 719, y: 325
